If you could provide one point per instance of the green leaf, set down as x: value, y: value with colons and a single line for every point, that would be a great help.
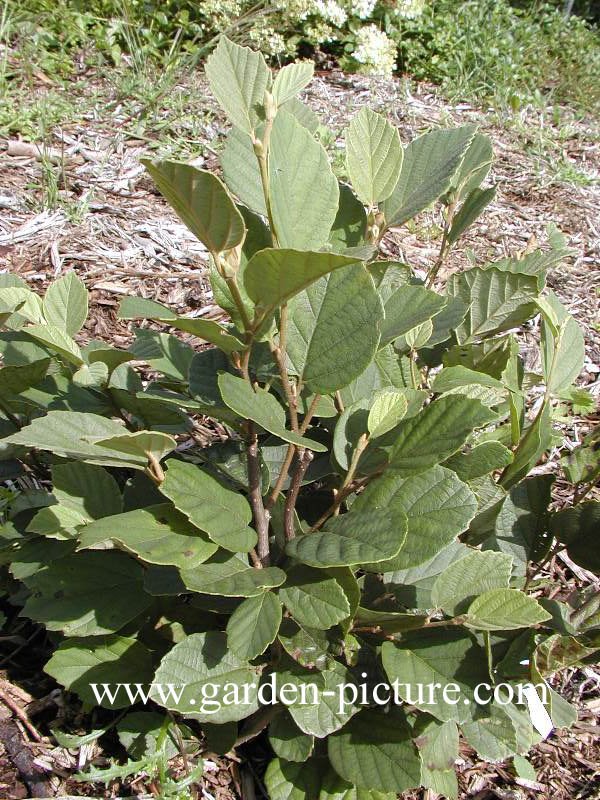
x: 87, y: 594
x: 498, y: 301
x: 566, y: 349
x: 231, y: 577
x: 438, y: 507
x: 274, y: 276
x: 333, y: 329
x: 286, y: 780
x: 303, y: 113
x: 578, y: 527
x: 504, y: 609
x: 74, y: 435
x: 288, y: 741
x: 352, y: 538
x: 476, y: 573
x: 450, y: 658
x: 66, y: 304
x: 412, y: 586
x: 313, y: 598
x: 210, y: 505
x: 522, y: 522
x: 386, y: 412
x: 220, y: 739
x: 408, y: 307
x: 304, y: 202
x: 157, y: 534
x: 475, y: 203
x: 536, y: 441
x: 163, y: 352
x: 113, y: 660
x: 138, y: 444
x: 201, y: 202
x: 373, y: 156
x: 481, y: 460
x: 14, y: 380
x: 56, y: 340
x: 142, y: 734
x: 322, y: 714
x: 143, y: 308
x: 455, y: 377
x: 437, y: 432
x: 238, y: 78
x: 336, y: 788
x: 308, y: 646
x: 375, y: 751
x: 88, y: 490
x: 475, y: 165
x: 494, y: 737
x: 241, y: 171
x: 291, y: 79
x: 92, y: 375
x: 438, y: 745
x: 263, y: 408
x: 196, y: 665
x: 427, y: 170
x: 254, y: 625
x: 350, y: 224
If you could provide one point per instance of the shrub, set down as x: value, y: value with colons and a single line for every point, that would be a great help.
x: 370, y: 516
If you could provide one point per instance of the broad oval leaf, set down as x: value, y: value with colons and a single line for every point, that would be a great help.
x: 254, y: 625
x: 373, y: 156
x: 201, y: 202
x: 238, y: 77
x: 261, y: 407
x: 291, y: 79
x: 66, y: 303
x: 437, y: 432
x: 313, y: 598
x: 429, y: 164
x: 468, y: 577
x: 333, y: 329
x: 78, y: 664
x: 406, y: 308
x: 231, y: 577
x: 195, y: 666
x: 304, y: 202
x: 438, y: 507
x: 505, y: 609
x: 210, y: 505
x: 353, y: 538
x: 273, y: 276
x: 87, y: 594
x: 446, y: 657
x: 157, y: 534
x: 288, y: 741
x: 376, y: 751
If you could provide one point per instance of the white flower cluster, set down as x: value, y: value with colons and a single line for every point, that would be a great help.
x: 361, y: 8
x: 375, y: 51
x: 409, y: 9
x: 330, y: 11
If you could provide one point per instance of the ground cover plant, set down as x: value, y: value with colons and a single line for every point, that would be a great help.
x: 506, y: 53
x: 370, y: 515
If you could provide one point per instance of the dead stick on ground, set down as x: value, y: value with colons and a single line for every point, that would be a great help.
x: 21, y: 715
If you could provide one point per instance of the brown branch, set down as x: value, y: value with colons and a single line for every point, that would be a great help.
x: 304, y: 457
x: 282, y: 476
x: 261, y: 515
